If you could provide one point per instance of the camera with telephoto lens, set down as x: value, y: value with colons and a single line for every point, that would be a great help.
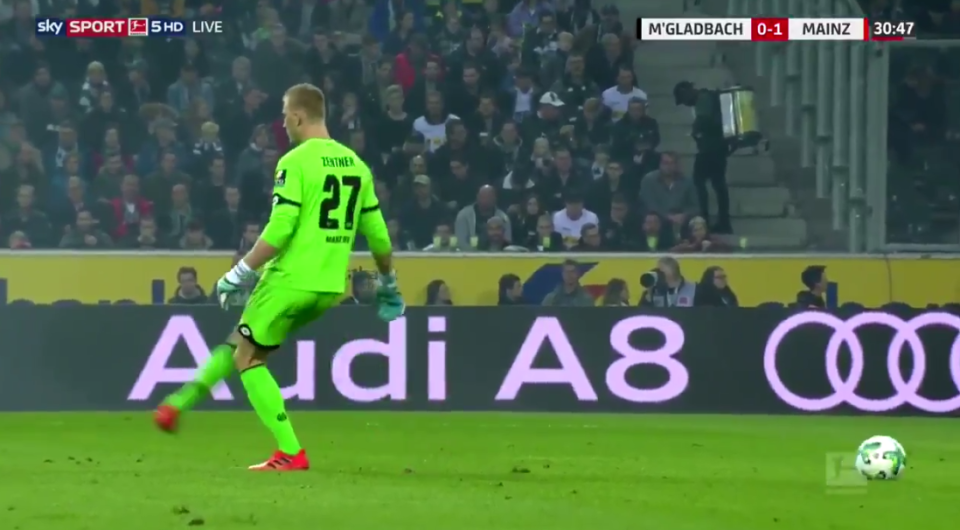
x: 652, y: 279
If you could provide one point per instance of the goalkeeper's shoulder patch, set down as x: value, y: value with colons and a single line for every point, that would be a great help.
x: 280, y: 179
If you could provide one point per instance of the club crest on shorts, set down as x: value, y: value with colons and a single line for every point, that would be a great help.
x: 280, y: 179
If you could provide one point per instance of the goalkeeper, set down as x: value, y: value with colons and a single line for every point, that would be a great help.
x: 323, y: 194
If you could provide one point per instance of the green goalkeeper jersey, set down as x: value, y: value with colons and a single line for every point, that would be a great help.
x: 323, y: 195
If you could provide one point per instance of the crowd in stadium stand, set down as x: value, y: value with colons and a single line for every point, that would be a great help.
x: 492, y: 126
x: 489, y: 127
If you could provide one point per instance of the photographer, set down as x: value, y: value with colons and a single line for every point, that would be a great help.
x: 666, y: 287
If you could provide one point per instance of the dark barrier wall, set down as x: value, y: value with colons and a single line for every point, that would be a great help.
x: 611, y: 360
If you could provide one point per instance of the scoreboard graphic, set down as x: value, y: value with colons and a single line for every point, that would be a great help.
x: 773, y: 29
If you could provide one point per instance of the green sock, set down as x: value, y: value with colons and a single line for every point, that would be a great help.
x: 264, y: 394
x: 216, y: 369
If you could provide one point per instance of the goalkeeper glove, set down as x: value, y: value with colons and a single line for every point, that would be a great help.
x: 390, y: 304
x: 232, y: 285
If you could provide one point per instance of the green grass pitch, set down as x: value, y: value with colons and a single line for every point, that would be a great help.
x: 473, y: 471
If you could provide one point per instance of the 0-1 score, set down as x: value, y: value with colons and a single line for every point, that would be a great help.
x: 769, y: 29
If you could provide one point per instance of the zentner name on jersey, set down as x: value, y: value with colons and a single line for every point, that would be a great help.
x: 695, y: 29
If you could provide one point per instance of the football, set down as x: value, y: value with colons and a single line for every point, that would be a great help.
x: 881, y: 458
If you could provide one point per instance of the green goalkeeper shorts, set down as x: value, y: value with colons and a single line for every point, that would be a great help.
x: 274, y: 312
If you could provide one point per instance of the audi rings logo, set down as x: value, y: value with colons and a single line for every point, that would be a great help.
x: 845, y: 390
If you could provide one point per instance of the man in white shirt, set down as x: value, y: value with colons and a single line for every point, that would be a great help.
x: 569, y: 221
x: 617, y: 98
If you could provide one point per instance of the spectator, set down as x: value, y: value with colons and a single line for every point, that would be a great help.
x: 188, y: 291
x: 460, y: 187
x: 569, y: 293
x: 618, y: 232
x: 433, y: 124
x: 415, y: 59
x: 229, y: 93
x: 208, y: 146
x: 530, y: 176
x: 606, y: 61
x: 519, y: 100
x: 655, y: 237
x: 666, y: 192
x: 644, y: 156
x: 158, y: 185
x: 195, y: 238
x: 84, y: 234
x: 714, y: 291
x: 636, y: 125
x: 76, y: 199
x: 129, y: 208
x: 209, y: 189
x: 475, y: 53
x: 421, y: 217
x: 448, y: 32
x: 363, y: 289
x: 277, y: 62
x: 350, y: 18
x: 27, y: 169
x: 470, y: 227
x: 251, y: 232
x: 459, y: 147
x: 251, y: 157
x: 399, y: 37
x: 553, y: 62
x: 65, y: 146
x: 523, y: 219
x: 137, y: 91
x: 19, y: 241
x: 814, y: 278
x: 227, y: 220
x: 395, y: 123
x: 573, y: 86
x: 32, y: 101
x: 189, y: 87
x: 547, y: 122
x: 443, y: 239
x: 27, y: 218
x: 700, y: 240
x: 464, y: 96
x: 547, y: 239
x: 540, y: 40
x: 569, y: 221
x: 525, y: 13
x: 564, y: 179
x: 591, y: 131
x: 510, y: 290
x: 606, y: 187
x: 100, y: 117
x: 111, y: 150
x: 497, y: 238
x: 601, y: 158
x: 616, y: 294
x: 144, y: 238
x: 93, y: 86
x: 506, y: 147
x: 179, y: 214
x: 486, y: 122
x: 590, y: 240
x: 618, y: 98
x: 162, y: 141
x: 398, y: 237
x: 438, y: 293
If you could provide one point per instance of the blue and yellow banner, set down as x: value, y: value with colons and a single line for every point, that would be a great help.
x: 105, y: 278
